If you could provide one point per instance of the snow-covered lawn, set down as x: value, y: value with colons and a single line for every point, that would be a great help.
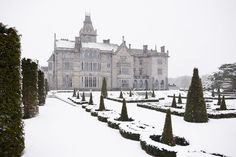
x: 65, y: 130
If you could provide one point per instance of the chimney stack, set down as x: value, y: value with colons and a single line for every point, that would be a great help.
x: 163, y: 49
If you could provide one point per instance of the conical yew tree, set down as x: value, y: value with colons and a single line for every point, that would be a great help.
x: 90, y: 99
x: 167, y: 134
x: 101, y: 104
x: 195, y: 110
x: 130, y: 93
x: 174, y: 102
x: 121, y: 95
x: 219, y: 100
x: 146, y: 95
x: 83, y: 97
x: 124, y: 114
x: 74, y: 93
x: 223, y: 104
x: 104, y: 88
x: 77, y: 96
x: 41, y: 88
x: 153, y: 93
x: 179, y: 99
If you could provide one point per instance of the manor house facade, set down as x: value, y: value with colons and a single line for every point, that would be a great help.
x: 84, y: 62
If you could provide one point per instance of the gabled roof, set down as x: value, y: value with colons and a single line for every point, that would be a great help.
x: 100, y: 46
x: 65, y: 44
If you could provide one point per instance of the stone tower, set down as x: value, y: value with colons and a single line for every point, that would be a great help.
x: 87, y: 33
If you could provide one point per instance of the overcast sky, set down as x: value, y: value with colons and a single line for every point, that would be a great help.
x: 197, y: 33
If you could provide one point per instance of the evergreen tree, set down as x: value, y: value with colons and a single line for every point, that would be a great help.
x: 46, y: 86
x: 30, y: 87
x: 153, y: 93
x: 179, y: 99
x: 83, y: 97
x: 195, y: 110
x: 124, y: 114
x: 74, y: 93
x: 77, y: 95
x: 146, y: 95
x: 223, y: 104
x: 104, y: 88
x: 167, y: 134
x: 11, y: 125
x: 101, y: 104
x: 41, y: 88
x: 213, y: 93
x: 121, y: 95
x: 219, y: 100
x: 91, y: 99
x: 174, y: 102
x: 130, y: 93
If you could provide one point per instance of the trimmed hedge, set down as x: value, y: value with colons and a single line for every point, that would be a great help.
x: 135, y: 101
x: 114, y: 123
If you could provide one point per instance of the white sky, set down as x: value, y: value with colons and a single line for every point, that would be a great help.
x: 197, y: 33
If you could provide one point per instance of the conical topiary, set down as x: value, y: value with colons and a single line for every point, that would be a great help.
x: 153, y: 93
x: 219, y: 100
x: 124, y: 114
x: 83, y: 97
x: 77, y: 96
x: 174, y: 102
x: 195, y: 110
x: 130, y: 93
x: 167, y: 134
x: 101, y: 104
x: 121, y: 95
x: 179, y: 99
x: 74, y: 93
x: 213, y: 93
x: 104, y: 88
x: 91, y: 99
x: 146, y: 95
x: 223, y: 104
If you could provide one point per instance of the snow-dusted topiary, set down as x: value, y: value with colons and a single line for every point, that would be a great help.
x: 121, y: 95
x: 180, y: 99
x: 173, y: 104
x: 223, y: 104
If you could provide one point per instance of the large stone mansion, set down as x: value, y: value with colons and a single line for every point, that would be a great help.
x: 84, y: 62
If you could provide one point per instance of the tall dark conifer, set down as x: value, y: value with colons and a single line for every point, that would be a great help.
x: 121, y: 95
x: 153, y: 93
x: 101, y: 104
x: 46, y: 87
x: 83, y: 97
x: 41, y: 88
x: 130, y: 93
x: 167, y: 134
x: 74, y: 93
x: 174, y: 102
x: 146, y: 95
x: 30, y: 87
x: 195, y: 110
x: 219, y: 100
x: 223, y: 104
x: 77, y: 96
x: 11, y: 125
x: 124, y: 113
x: 90, y: 99
x: 104, y: 88
x: 179, y: 99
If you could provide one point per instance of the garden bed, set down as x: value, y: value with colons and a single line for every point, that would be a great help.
x: 135, y: 100
x: 114, y: 123
x: 212, y: 113
x: 104, y: 115
x: 133, y: 130
x: 79, y: 102
x: 88, y: 108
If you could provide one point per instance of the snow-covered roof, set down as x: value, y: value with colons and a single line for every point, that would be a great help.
x: 100, y: 46
x: 65, y: 43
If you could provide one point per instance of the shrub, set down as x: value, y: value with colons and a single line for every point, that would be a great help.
x: 223, y: 104
x: 104, y: 88
x: 174, y: 102
x: 179, y: 99
x: 41, y: 88
x: 195, y: 110
x: 91, y: 99
x: 153, y: 93
x: 121, y: 95
x: 83, y: 97
x: 167, y: 135
x: 11, y: 125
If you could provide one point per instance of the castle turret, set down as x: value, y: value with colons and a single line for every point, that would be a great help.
x: 87, y: 33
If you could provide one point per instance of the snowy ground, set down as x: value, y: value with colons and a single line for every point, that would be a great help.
x: 65, y: 130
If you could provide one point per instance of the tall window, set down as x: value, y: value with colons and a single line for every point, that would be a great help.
x: 66, y: 65
x: 86, y: 81
x: 82, y: 66
x: 94, y: 81
x: 90, y: 81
